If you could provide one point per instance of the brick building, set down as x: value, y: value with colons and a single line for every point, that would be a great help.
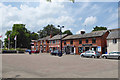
x: 79, y: 43
x: 54, y: 42
x: 41, y: 45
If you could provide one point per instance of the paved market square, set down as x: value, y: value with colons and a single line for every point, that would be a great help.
x: 44, y: 65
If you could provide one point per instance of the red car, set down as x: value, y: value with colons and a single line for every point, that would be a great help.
x: 35, y: 51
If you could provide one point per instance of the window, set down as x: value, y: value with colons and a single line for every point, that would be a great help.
x: 49, y: 42
x: 44, y: 42
x: 80, y: 41
x: 58, y: 41
x: 71, y: 42
x: 94, y: 40
x: 54, y: 42
x: 64, y: 42
x: 41, y: 42
x: 86, y: 40
x: 80, y: 49
x: 114, y: 40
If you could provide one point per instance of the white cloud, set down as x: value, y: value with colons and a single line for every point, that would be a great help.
x: 35, y: 18
x: 80, y: 19
x: 90, y: 20
x: 78, y: 32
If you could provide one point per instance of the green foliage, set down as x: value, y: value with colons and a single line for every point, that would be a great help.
x: 99, y: 28
x: 67, y: 32
x: 24, y: 36
x: 49, y: 29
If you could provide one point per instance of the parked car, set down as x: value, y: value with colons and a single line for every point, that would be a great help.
x: 35, y: 51
x: 111, y: 55
x: 28, y: 50
x: 90, y: 53
x: 56, y: 52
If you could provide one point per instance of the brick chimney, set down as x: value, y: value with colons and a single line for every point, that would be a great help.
x: 82, y: 32
x: 51, y: 36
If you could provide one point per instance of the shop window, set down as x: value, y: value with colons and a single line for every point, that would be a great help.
x: 86, y: 40
x: 94, y: 40
x: 80, y: 41
x: 114, y: 41
x: 71, y: 42
x: 80, y: 49
x: 64, y: 42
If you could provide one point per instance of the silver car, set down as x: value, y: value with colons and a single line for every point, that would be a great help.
x: 90, y: 53
x: 111, y: 55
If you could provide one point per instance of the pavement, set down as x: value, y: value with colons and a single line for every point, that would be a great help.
x: 44, y: 65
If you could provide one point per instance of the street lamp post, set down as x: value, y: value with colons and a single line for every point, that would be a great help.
x: 61, y: 38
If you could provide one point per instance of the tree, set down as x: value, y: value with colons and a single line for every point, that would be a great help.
x: 67, y: 32
x: 99, y: 28
x: 24, y: 36
x: 49, y: 29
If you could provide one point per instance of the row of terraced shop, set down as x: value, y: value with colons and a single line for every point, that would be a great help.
x: 73, y: 44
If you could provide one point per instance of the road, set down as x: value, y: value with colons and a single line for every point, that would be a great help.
x: 47, y: 66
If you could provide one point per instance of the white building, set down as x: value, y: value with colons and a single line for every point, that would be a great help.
x: 113, y: 40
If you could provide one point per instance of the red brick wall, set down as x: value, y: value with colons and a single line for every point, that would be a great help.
x: 100, y: 41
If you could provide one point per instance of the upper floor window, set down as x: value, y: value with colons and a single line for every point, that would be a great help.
x: 64, y: 42
x: 58, y: 41
x: 94, y: 40
x: 71, y: 42
x: 80, y: 41
x: 114, y: 40
x: 86, y: 40
x: 54, y: 42
x: 44, y: 42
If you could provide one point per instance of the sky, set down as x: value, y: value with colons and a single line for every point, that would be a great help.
x: 73, y: 16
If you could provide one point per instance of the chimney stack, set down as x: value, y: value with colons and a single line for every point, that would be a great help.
x: 82, y: 32
x: 50, y: 35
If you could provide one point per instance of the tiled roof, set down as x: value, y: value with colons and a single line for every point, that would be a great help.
x: 86, y: 35
x: 114, y: 34
x: 45, y: 38
x: 56, y: 37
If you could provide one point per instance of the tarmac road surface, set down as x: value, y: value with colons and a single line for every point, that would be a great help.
x: 46, y: 66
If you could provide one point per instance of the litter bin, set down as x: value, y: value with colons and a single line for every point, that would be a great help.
x: 60, y: 54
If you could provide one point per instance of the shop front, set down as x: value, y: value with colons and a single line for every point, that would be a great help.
x: 86, y: 47
x: 53, y: 48
x: 68, y: 49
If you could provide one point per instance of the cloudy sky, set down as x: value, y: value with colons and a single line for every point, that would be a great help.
x: 74, y: 16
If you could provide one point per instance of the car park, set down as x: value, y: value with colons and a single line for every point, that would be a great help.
x: 111, y: 55
x: 90, y: 53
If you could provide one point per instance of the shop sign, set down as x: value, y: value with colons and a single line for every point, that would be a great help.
x: 99, y: 48
x: 86, y: 44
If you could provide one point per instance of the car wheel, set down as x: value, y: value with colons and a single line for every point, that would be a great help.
x: 93, y: 56
x: 82, y: 55
x: 104, y: 57
x: 119, y: 57
x: 98, y: 56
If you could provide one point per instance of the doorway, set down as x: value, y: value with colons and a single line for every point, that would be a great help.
x: 87, y: 48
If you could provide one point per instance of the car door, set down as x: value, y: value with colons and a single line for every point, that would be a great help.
x: 116, y: 55
x: 87, y: 53
x: 111, y: 55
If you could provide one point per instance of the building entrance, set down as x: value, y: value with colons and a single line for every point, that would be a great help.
x: 87, y: 48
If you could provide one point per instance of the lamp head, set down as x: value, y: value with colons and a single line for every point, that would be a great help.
x: 58, y: 25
